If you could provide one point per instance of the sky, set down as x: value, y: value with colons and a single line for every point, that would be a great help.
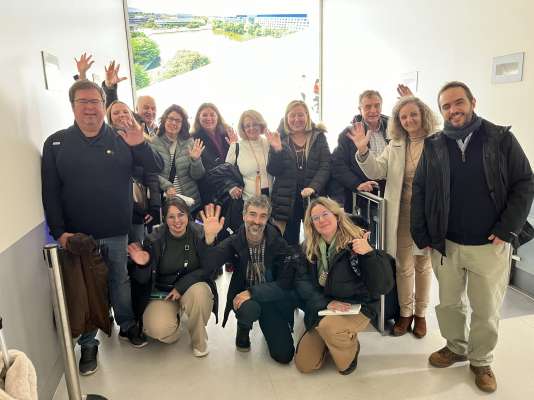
x: 225, y: 7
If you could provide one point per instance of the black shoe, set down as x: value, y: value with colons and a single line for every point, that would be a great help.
x: 134, y: 335
x: 88, y: 361
x: 242, y: 341
x: 354, y: 362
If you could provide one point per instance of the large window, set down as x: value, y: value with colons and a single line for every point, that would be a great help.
x: 237, y: 54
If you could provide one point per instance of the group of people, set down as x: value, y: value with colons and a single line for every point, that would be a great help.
x: 457, y: 200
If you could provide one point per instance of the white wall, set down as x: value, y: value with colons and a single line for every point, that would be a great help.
x: 369, y: 44
x: 29, y: 113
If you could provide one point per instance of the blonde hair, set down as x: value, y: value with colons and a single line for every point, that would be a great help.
x: 292, y: 105
x: 429, y: 121
x: 113, y: 103
x: 346, y: 229
x: 253, y: 115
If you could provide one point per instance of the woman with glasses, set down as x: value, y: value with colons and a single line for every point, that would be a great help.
x: 299, y: 161
x: 338, y: 255
x: 171, y: 266
x: 410, y: 123
x: 181, y: 155
x: 252, y: 156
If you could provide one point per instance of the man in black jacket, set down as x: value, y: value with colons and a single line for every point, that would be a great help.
x: 345, y: 169
x: 264, y: 271
x: 87, y: 188
x: 472, y: 192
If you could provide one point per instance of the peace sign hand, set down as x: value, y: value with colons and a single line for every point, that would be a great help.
x: 274, y: 140
x: 231, y: 137
x: 196, y: 151
x: 359, y: 137
x: 362, y: 246
x: 212, y: 221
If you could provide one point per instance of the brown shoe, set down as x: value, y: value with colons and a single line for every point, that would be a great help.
x: 403, y: 325
x: 484, y: 378
x: 444, y: 358
x: 419, y: 327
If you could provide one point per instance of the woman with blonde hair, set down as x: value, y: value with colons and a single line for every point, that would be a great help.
x: 410, y: 123
x: 252, y: 156
x: 299, y: 161
x: 338, y: 260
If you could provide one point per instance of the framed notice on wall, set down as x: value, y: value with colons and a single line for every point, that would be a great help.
x: 507, y: 68
x: 52, y: 73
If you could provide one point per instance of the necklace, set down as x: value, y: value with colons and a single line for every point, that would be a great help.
x: 257, y: 189
x: 413, y: 160
x: 300, y: 154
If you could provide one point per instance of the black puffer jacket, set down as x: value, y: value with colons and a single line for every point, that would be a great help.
x: 280, y: 262
x: 342, y: 284
x: 508, y: 176
x: 155, y: 244
x: 345, y: 170
x: 282, y: 166
x: 210, y: 159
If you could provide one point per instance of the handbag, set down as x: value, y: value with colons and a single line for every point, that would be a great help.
x: 223, y: 177
x: 140, y: 195
x: 378, y: 277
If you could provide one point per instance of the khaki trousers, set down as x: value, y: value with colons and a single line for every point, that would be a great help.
x: 161, y: 319
x: 479, y: 274
x: 336, y: 334
x: 413, y: 272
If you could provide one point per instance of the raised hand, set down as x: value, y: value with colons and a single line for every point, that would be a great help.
x: 231, y: 137
x: 170, y: 192
x: 274, y: 139
x: 359, y: 137
x: 112, y: 74
x: 137, y: 254
x: 83, y: 65
x: 404, y: 90
x: 212, y: 221
x: 132, y: 133
x: 196, y: 151
x: 362, y: 246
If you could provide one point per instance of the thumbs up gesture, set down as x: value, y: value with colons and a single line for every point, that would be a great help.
x: 362, y: 246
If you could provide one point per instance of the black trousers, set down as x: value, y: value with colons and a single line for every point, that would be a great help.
x: 274, y: 324
x: 292, y: 232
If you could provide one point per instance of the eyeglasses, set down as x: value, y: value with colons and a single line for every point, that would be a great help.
x: 324, y: 214
x: 251, y: 126
x: 175, y: 120
x: 88, y: 101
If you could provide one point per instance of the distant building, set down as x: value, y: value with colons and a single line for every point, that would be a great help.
x: 288, y: 22
x: 171, y: 22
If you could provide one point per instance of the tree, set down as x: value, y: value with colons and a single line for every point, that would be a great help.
x: 141, y: 77
x: 184, y: 61
x: 145, y: 51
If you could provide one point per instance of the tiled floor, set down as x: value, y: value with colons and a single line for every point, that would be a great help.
x: 388, y: 367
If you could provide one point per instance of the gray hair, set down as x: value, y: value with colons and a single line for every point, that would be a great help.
x: 84, y: 84
x: 260, y: 201
x: 369, y: 93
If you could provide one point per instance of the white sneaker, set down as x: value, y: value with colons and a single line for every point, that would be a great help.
x: 198, y: 353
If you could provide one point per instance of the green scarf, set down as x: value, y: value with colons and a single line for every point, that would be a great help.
x: 324, y: 262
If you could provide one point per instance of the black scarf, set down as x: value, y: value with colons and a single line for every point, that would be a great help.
x: 462, y: 132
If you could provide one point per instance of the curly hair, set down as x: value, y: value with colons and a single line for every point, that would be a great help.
x: 346, y: 230
x: 184, y: 130
x: 429, y: 122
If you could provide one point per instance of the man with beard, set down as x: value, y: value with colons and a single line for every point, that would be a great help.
x: 472, y: 192
x: 260, y: 286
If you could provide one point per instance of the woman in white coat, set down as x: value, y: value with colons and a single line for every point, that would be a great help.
x: 410, y: 123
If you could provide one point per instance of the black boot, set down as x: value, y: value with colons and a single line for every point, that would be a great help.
x: 242, y: 341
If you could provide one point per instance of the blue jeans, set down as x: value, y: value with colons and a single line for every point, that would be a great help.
x: 116, y: 258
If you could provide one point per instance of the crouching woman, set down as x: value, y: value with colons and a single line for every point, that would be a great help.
x: 335, y: 277
x: 171, y: 268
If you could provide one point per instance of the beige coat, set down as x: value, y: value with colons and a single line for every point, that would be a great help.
x: 389, y: 165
